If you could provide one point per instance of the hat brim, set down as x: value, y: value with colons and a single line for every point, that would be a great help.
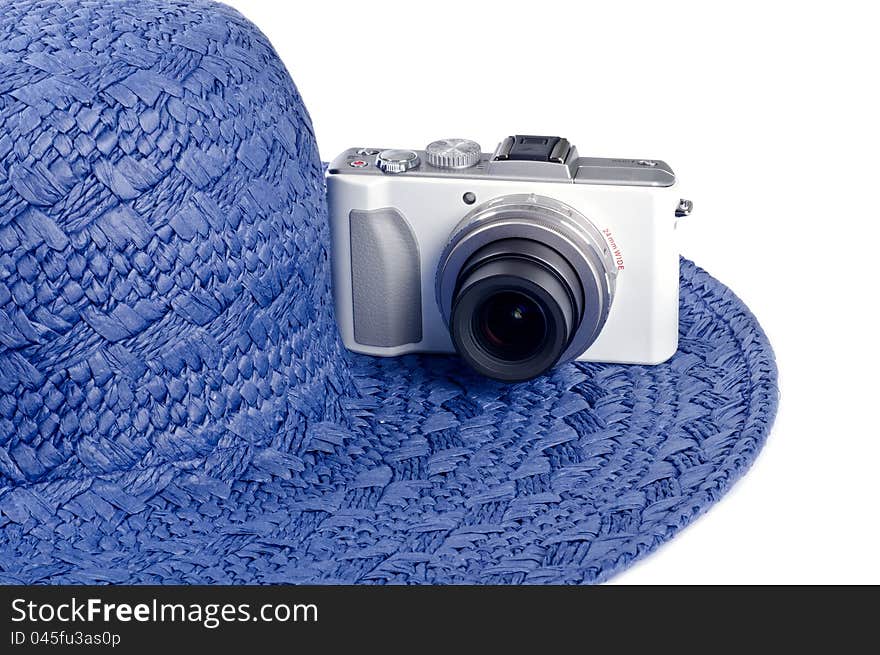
x: 424, y: 472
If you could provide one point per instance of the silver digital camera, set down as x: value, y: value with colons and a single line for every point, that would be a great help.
x: 518, y: 259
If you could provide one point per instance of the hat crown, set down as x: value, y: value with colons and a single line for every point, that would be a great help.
x: 163, y: 277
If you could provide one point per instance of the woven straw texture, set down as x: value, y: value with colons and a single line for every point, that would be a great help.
x: 176, y: 407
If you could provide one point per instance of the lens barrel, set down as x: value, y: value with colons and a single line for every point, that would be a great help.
x: 516, y: 307
x: 524, y: 282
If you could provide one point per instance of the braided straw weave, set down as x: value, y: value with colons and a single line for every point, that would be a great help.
x: 175, y: 405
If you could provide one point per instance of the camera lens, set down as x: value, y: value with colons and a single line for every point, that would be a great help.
x: 511, y: 326
x: 525, y: 281
x: 516, y: 306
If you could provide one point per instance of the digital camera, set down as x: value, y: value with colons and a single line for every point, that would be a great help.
x: 518, y: 259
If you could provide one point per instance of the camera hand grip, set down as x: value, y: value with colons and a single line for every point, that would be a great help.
x: 386, y: 279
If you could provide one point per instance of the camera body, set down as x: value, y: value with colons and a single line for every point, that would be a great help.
x: 518, y: 259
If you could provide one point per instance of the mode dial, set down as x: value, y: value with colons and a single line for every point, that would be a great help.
x: 453, y: 153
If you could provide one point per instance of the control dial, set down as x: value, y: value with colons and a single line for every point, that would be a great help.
x: 453, y: 153
x: 397, y: 161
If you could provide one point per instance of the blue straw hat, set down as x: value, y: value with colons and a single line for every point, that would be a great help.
x: 175, y: 404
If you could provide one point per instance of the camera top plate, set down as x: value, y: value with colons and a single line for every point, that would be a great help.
x: 521, y: 157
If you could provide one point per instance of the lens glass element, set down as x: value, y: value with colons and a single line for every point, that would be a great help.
x: 510, y: 326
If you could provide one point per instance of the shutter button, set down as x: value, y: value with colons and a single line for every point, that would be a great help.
x: 397, y: 161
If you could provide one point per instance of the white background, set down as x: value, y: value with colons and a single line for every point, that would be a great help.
x: 768, y: 112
